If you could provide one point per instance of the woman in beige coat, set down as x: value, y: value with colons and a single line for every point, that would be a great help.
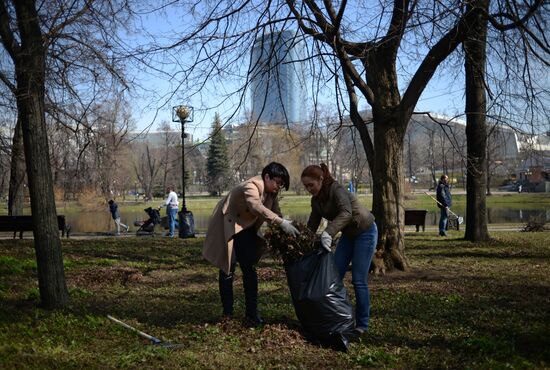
x: 232, y: 234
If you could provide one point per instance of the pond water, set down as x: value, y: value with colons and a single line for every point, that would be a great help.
x: 98, y: 222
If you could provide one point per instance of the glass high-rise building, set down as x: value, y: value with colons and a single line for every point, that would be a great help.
x: 277, y: 78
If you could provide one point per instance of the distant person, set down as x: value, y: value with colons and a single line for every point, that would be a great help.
x: 357, y: 245
x: 520, y: 188
x: 444, y: 201
x: 232, y: 234
x: 171, y: 203
x: 113, y: 208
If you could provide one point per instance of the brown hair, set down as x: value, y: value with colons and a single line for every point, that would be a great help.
x: 315, y: 172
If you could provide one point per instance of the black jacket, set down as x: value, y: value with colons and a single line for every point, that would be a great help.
x: 113, y: 208
x: 444, y: 195
x: 342, y: 211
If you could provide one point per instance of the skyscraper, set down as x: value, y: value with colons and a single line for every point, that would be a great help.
x: 277, y: 78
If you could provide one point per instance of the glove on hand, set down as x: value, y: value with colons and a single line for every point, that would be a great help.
x: 326, y: 241
x: 289, y: 229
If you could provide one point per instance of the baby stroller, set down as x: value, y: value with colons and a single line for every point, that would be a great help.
x: 148, y: 226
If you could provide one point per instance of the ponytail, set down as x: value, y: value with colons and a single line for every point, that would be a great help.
x: 327, y: 177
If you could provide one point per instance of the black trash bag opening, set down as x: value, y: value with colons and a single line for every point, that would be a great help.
x: 320, y: 300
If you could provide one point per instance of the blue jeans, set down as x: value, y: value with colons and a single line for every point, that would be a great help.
x: 172, y: 213
x: 444, y: 217
x: 359, y: 251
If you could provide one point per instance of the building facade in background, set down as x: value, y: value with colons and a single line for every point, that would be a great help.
x: 277, y: 78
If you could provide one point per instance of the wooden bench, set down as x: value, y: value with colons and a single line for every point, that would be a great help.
x: 24, y: 223
x: 416, y: 217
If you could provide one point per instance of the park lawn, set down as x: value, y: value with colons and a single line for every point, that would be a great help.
x: 291, y: 201
x: 461, y: 305
x: 506, y: 200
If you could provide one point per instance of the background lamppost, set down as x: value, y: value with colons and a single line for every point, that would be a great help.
x: 182, y: 114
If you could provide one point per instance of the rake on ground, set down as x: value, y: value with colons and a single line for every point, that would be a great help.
x: 154, y: 341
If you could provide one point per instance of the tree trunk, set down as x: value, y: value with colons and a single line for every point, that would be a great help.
x: 16, y: 195
x: 388, y: 193
x: 476, y: 127
x: 489, y: 176
x: 30, y: 69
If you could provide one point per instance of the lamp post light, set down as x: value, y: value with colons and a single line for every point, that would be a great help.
x: 182, y: 114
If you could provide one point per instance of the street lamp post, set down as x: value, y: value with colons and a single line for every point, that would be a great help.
x: 182, y: 114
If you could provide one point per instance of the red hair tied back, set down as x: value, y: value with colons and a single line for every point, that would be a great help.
x: 327, y: 177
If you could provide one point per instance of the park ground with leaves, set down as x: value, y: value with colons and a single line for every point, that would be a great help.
x: 461, y: 305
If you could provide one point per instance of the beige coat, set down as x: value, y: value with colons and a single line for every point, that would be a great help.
x: 245, y: 206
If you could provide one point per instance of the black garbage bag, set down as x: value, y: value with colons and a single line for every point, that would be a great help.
x: 320, y: 299
x: 186, y: 224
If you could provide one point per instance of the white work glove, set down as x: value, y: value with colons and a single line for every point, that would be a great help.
x: 289, y: 229
x: 326, y: 241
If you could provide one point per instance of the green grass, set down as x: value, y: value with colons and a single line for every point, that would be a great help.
x: 461, y: 305
x: 512, y: 200
x: 291, y: 201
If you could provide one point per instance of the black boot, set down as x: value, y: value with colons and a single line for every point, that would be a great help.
x: 246, y: 254
x: 250, y: 284
x: 225, y: 282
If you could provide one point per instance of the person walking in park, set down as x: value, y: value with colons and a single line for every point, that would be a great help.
x: 171, y: 203
x: 444, y: 201
x: 113, y: 208
x: 232, y: 234
x: 357, y: 245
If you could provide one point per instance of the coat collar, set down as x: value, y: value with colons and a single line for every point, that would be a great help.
x: 259, y: 183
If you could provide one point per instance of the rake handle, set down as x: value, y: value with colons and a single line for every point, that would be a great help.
x: 139, y: 332
x: 438, y: 202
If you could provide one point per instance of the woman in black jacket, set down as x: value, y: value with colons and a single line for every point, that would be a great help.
x: 357, y: 244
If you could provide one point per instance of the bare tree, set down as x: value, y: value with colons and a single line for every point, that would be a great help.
x: 169, y: 144
x: 362, y: 65
x: 522, y: 16
x: 146, y: 169
x: 17, y: 172
x: 109, y: 140
x: 476, y: 127
x: 55, y: 49
x: 27, y: 50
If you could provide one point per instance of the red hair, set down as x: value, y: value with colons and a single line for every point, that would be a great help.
x: 316, y: 172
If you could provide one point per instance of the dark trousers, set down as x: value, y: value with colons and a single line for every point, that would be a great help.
x: 244, y: 244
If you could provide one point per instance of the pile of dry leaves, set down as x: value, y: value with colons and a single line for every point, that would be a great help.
x: 288, y: 247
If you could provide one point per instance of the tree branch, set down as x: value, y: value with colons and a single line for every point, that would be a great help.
x: 9, y: 42
x: 516, y: 22
x: 445, y: 46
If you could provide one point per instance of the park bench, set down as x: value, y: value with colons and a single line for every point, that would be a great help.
x: 416, y: 217
x: 24, y: 223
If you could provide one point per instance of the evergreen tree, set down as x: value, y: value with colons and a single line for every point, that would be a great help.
x: 217, y: 163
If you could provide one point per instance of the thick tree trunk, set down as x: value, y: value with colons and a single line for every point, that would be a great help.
x: 388, y: 193
x: 30, y: 69
x: 16, y: 195
x: 476, y: 128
